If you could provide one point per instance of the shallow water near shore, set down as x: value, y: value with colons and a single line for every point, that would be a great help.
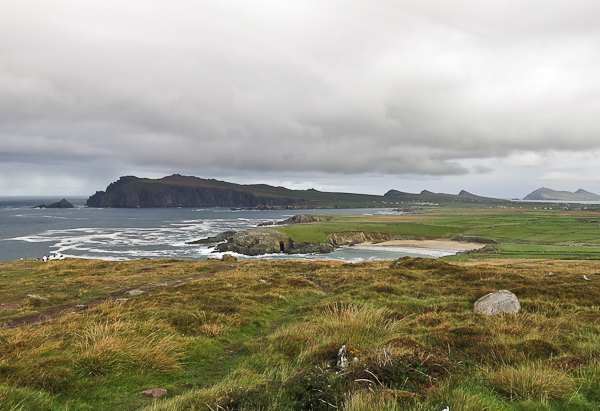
x: 125, y: 234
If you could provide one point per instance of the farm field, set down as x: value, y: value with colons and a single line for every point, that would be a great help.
x: 512, y: 232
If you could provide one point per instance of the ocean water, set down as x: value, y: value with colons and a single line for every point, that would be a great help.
x: 124, y: 234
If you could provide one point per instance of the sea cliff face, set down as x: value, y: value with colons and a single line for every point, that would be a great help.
x: 179, y: 197
x: 132, y: 192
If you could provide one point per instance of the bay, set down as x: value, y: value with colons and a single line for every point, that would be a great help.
x: 157, y: 233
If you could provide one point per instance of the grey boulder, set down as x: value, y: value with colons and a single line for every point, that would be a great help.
x: 502, y: 301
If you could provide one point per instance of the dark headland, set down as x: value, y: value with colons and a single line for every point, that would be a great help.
x: 187, y: 191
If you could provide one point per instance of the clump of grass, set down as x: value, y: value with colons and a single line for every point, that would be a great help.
x: 537, y: 349
x: 24, y: 399
x: 575, y: 362
x: 379, y: 400
x: 509, y: 327
x: 322, y: 333
x: 102, y: 348
x: 467, y: 396
x: 430, y: 318
x: 200, y: 322
x: 531, y: 381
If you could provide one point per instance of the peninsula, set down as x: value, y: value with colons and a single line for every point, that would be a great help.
x: 186, y: 191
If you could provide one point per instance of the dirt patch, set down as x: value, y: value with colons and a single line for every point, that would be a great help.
x: 11, y: 306
x: 324, y: 287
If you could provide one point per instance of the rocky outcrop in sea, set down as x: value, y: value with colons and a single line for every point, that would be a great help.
x: 59, y: 204
x: 269, y: 241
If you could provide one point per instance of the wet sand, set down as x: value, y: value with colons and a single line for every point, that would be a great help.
x: 439, y: 245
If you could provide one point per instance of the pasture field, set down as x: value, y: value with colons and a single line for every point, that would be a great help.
x: 264, y: 335
x: 515, y: 231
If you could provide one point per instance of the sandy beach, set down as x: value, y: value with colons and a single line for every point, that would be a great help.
x: 439, y: 245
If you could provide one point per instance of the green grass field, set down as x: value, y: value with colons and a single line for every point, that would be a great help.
x: 519, y: 232
x: 263, y: 335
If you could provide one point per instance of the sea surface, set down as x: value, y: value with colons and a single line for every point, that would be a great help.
x: 156, y: 233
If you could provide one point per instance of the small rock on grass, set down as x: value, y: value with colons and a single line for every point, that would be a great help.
x: 155, y: 392
x: 342, y: 357
x: 36, y: 297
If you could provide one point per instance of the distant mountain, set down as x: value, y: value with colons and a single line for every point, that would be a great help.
x: 425, y: 195
x: 543, y: 194
x: 186, y: 191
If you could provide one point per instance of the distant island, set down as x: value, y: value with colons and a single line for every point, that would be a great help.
x: 543, y: 194
x: 187, y: 191
x: 425, y: 195
x: 59, y: 204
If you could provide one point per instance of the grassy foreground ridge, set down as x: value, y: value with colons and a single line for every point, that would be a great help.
x: 263, y: 335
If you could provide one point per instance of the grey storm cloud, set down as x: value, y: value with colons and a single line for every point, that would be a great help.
x: 391, y: 87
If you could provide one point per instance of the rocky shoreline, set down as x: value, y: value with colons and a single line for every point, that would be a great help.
x: 267, y: 240
x: 261, y: 241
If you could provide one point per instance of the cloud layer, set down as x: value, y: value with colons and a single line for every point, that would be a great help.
x: 428, y: 89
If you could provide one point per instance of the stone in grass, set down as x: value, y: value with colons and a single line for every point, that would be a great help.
x: 36, y: 297
x: 502, y: 301
x: 155, y: 392
x: 134, y: 292
x: 342, y: 357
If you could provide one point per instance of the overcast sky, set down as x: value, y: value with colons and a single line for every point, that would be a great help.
x: 495, y: 97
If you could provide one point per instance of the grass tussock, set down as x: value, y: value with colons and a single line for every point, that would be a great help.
x: 531, y: 381
x: 104, y: 348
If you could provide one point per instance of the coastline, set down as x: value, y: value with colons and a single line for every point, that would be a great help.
x: 437, y: 245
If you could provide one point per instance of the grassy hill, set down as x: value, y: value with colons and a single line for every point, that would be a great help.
x: 264, y: 335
